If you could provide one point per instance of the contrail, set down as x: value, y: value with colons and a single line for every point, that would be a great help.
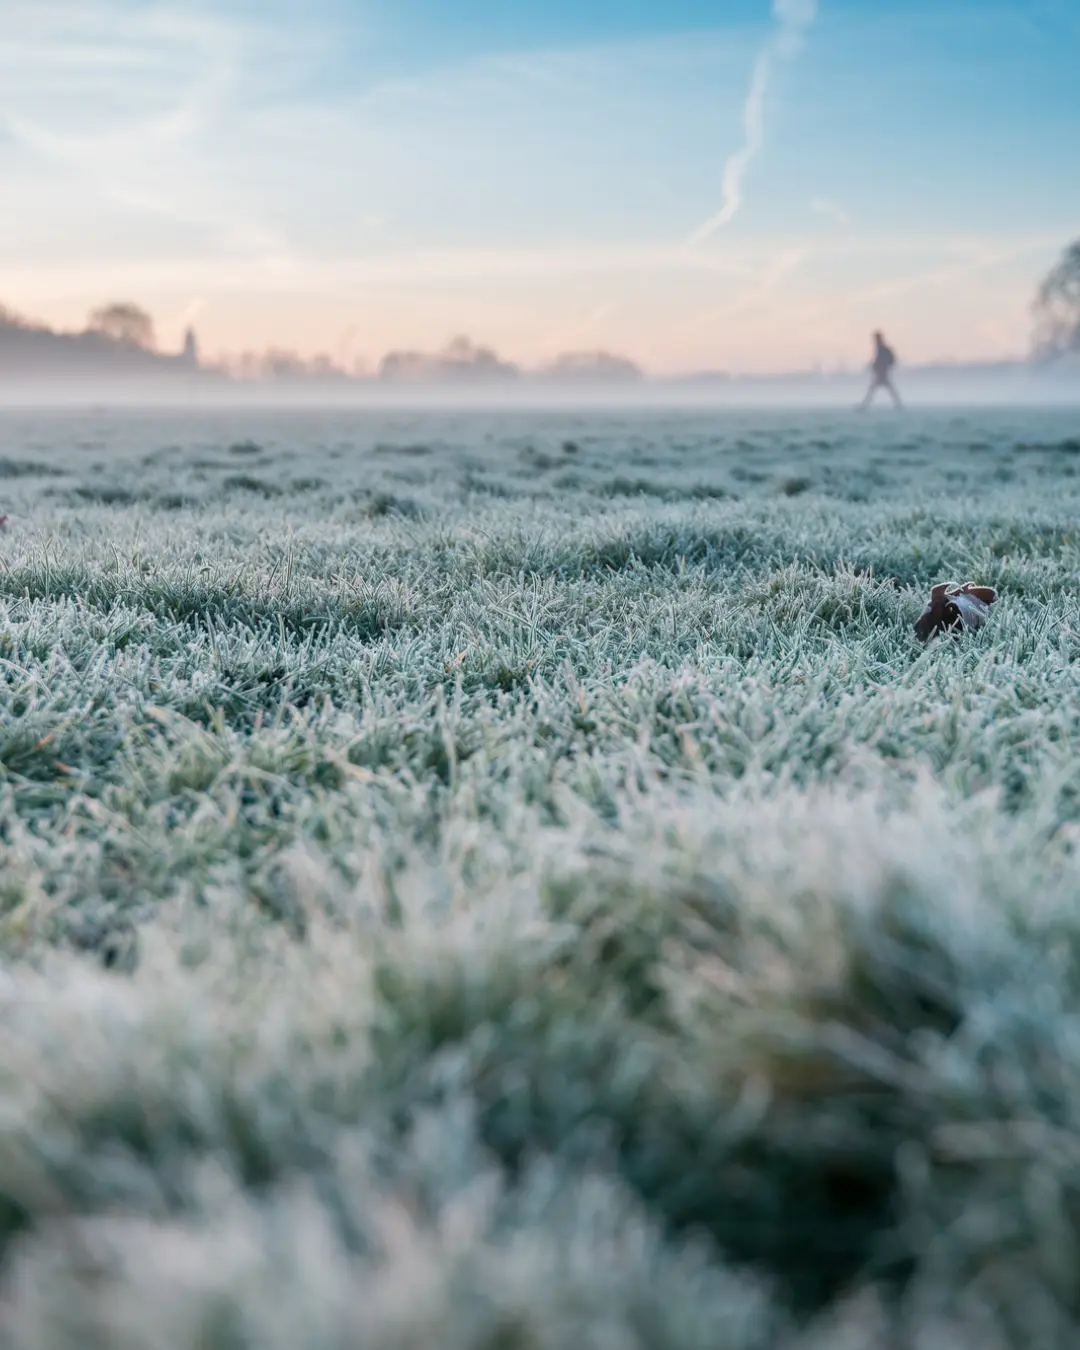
x: 793, y: 18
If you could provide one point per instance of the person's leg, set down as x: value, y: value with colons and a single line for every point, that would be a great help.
x: 869, y: 395
x: 892, y: 390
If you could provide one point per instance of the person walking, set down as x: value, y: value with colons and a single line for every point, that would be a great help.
x: 881, y: 372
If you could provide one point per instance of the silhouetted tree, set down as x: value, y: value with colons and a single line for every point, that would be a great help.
x: 1057, y: 306
x: 9, y: 319
x: 460, y: 359
x: 124, y: 322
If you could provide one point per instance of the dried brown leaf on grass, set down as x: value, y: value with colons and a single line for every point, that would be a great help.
x: 952, y: 608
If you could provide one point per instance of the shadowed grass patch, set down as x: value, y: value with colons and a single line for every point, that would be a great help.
x: 194, y: 600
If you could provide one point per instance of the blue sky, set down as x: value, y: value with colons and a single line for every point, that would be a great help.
x: 348, y: 177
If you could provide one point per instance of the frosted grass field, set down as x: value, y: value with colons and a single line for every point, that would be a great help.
x: 517, y: 881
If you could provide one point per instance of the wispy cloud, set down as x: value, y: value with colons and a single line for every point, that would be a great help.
x: 128, y: 103
x: 793, y: 18
x: 98, y: 78
x: 192, y: 310
x: 757, y: 269
x: 973, y: 257
x: 831, y: 210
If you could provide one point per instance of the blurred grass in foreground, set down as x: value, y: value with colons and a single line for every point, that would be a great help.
x: 519, y: 882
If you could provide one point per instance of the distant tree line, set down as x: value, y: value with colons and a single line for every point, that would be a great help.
x: 121, y: 322
x: 1056, y: 312
x: 123, y: 331
x: 118, y: 341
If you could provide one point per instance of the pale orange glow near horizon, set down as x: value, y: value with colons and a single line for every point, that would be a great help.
x: 738, y: 308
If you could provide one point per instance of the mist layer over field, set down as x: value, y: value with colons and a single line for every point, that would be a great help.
x: 498, y: 881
